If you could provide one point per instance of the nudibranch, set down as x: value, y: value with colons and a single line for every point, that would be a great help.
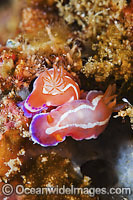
x: 80, y: 119
x: 53, y: 87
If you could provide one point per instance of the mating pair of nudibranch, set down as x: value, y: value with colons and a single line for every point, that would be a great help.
x: 79, y: 118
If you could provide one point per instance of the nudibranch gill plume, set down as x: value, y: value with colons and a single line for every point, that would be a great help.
x: 53, y: 87
x: 80, y: 119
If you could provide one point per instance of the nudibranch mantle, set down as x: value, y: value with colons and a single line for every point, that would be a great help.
x: 80, y: 119
x: 53, y: 87
x: 76, y: 110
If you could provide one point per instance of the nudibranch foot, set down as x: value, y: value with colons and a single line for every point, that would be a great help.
x: 119, y: 107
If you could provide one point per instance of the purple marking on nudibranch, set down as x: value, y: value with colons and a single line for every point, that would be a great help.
x: 37, y: 128
x: 27, y: 113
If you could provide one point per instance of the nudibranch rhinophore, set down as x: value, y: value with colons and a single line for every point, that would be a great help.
x: 53, y: 87
x: 80, y: 119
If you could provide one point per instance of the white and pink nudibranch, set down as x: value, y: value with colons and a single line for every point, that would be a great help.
x: 80, y: 119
